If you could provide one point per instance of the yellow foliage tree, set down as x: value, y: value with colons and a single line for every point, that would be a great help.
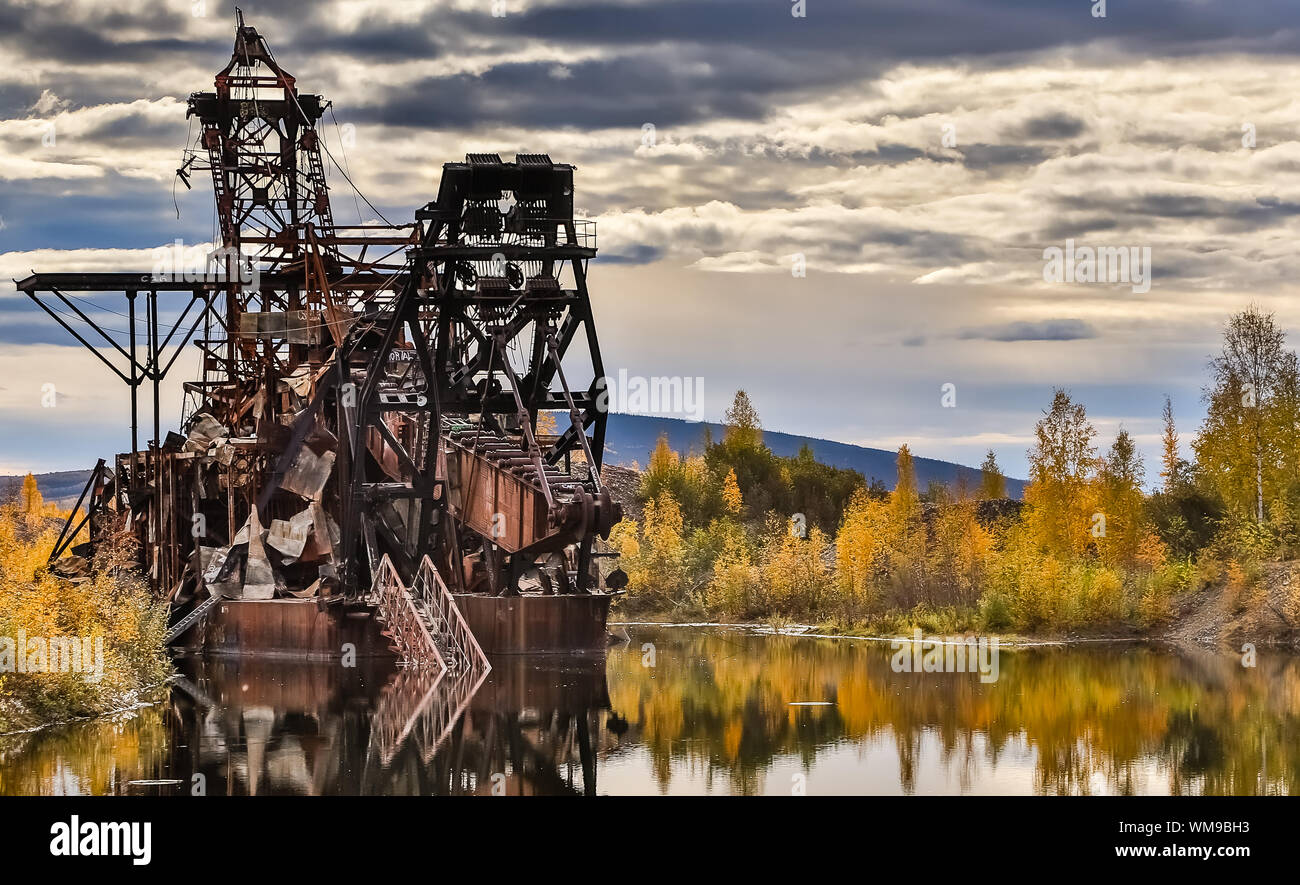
x: 117, y: 608
x: 858, y: 545
x: 731, y: 497
x: 546, y: 424
x: 793, y: 575
x: 733, y: 589
x: 962, y: 549
x: 1061, y: 467
x: 907, y: 533
x: 32, y: 503
x: 1120, y: 498
x: 905, y: 501
x: 657, y: 567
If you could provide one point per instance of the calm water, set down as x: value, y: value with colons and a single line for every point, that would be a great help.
x: 693, y: 711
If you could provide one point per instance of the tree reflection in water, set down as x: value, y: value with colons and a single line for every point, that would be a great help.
x: 707, y: 710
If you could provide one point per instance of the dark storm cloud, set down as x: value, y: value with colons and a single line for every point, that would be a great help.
x: 731, y: 58
x: 16, y: 100
x: 1058, y: 125
x: 896, y: 29
x: 1065, y: 227
x: 671, y: 62
x: 621, y: 91
x: 923, y: 247
x: 989, y: 156
x: 1041, y: 330
x: 1247, y: 210
x: 81, y: 34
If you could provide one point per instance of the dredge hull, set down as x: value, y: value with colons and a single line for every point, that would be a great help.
x: 297, y: 628
x: 536, y: 623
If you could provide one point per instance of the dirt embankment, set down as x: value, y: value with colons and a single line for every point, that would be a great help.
x: 1266, y: 614
x: 623, y: 484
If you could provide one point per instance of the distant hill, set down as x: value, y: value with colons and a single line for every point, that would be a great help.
x: 631, y: 438
x: 61, y: 487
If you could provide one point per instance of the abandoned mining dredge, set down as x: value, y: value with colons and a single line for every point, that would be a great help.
x: 363, y: 445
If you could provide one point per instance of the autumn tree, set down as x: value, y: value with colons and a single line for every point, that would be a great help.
x: 546, y: 424
x: 793, y: 576
x: 744, y: 430
x: 663, y: 470
x: 993, y: 484
x: 688, y: 480
x: 1120, y: 484
x: 1249, y: 381
x: 1283, y: 428
x: 907, y: 532
x: 1061, y: 466
x: 1169, y: 448
x: 961, y: 550
x: 758, y: 471
x: 656, y: 569
x: 905, y: 501
x: 32, y: 503
x: 859, y: 545
x: 731, y: 497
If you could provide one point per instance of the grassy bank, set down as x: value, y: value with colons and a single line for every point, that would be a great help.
x: 108, y: 613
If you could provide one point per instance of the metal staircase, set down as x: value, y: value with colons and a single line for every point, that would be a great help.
x: 410, y: 630
x: 175, y: 630
x: 425, y: 700
x: 459, y: 649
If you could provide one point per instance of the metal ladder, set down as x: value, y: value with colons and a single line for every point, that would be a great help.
x: 190, y: 619
x: 404, y: 624
x: 425, y: 700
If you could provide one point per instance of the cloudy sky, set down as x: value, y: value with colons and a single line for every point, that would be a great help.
x: 919, y: 155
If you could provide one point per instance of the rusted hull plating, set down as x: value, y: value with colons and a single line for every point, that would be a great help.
x: 537, y: 624
x: 503, y: 625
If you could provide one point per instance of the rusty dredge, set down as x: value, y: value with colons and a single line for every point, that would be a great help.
x: 363, y: 444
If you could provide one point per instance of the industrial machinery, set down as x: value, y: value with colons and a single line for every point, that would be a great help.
x: 377, y: 401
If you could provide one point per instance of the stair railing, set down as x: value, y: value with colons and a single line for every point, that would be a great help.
x: 431, y: 592
x: 403, y: 622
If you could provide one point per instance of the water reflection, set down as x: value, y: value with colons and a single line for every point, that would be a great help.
x: 695, y: 711
x: 721, y: 712
x: 265, y: 726
x: 536, y: 726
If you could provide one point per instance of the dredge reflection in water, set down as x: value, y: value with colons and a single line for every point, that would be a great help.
x: 688, y: 710
x: 257, y: 727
